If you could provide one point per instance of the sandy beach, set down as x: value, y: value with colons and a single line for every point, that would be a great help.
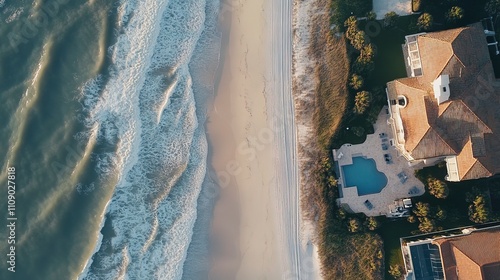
x: 257, y: 232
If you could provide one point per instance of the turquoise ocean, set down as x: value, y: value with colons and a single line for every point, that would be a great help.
x: 102, y: 112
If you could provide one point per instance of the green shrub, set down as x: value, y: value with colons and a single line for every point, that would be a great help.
x: 425, y: 21
x: 366, y: 55
x: 353, y: 225
x: 395, y: 271
x: 361, y: 102
x: 372, y: 223
x: 426, y: 225
x: 492, y: 7
x: 391, y: 19
x: 441, y: 214
x: 371, y: 15
x: 356, y: 82
x: 438, y: 188
x: 422, y: 209
x: 412, y: 219
x: 455, y: 14
x: 478, y: 210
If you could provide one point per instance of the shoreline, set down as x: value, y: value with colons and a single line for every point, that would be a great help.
x: 219, y: 265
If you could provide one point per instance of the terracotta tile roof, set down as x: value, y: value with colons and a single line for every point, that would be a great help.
x: 468, y: 124
x: 472, y: 256
x: 437, y: 51
x: 465, y: 268
x: 431, y: 145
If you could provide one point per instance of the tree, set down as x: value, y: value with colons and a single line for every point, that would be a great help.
x: 358, y: 40
x: 353, y: 225
x: 478, y: 210
x: 366, y: 55
x: 426, y: 225
x: 391, y: 19
x: 395, y: 271
x: 371, y: 15
x: 425, y: 21
x: 351, y: 25
x: 412, y: 219
x: 422, y: 209
x: 441, y: 214
x: 356, y: 37
x: 372, y: 223
x: 332, y: 182
x: 356, y: 82
x: 492, y: 7
x: 455, y: 14
x: 361, y: 102
x: 438, y: 188
x: 341, y: 214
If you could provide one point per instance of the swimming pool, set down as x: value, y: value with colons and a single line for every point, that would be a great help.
x: 363, y: 174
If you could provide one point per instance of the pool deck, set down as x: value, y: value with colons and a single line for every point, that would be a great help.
x: 372, y: 148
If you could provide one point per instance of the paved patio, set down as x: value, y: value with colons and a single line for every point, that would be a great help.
x: 372, y: 148
x: 382, y: 7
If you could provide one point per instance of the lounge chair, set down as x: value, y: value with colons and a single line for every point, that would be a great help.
x: 368, y: 204
x: 402, y: 177
x: 414, y: 190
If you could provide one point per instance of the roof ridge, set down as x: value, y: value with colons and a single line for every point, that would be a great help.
x: 419, y: 142
x: 443, y: 31
x: 412, y: 79
x: 461, y: 251
x: 428, y: 126
x: 474, y: 113
x: 448, y: 62
x: 482, y: 165
x: 437, y: 133
x: 476, y: 161
x: 458, y: 58
x: 450, y: 44
x: 442, y: 139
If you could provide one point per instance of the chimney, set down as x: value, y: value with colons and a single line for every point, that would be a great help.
x: 442, y: 88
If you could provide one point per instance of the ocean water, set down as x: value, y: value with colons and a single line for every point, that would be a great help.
x: 103, y: 111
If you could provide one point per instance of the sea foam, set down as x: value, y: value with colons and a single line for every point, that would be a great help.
x: 146, y: 107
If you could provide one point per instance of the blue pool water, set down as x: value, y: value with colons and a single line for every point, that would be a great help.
x: 363, y: 174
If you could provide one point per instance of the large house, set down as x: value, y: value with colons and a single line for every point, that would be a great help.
x: 448, y: 108
x: 473, y: 254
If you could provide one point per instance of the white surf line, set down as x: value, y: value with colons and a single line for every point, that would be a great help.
x: 287, y: 179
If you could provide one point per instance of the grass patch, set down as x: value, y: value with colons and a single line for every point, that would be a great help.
x: 344, y: 255
x: 332, y: 95
x: 389, y: 62
x: 339, y: 250
x: 391, y: 231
